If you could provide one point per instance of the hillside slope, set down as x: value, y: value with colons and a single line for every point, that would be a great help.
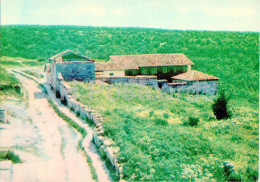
x: 231, y: 56
x: 155, y: 142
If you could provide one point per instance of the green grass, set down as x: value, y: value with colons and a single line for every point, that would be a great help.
x: 20, y: 62
x: 9, y: 155
x: 33, y: 73
x: 154, y: 144
x: 9, y: 85
x: 89, y: 161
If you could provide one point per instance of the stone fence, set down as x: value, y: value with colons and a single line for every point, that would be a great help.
x: 142, y: 80
x: 84, y: 112
x: 194, y: 87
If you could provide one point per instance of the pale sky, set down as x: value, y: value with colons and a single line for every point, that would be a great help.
x: 232, y: 15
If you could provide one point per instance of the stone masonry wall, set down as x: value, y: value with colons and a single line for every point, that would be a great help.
x: 199, y: 87
x: 143, y: 80
x: 81, y: 71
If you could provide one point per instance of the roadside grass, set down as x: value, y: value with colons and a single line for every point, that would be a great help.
x: 67, y: 119
x: 88, y: 160
x: 113, y: 173
x: 154, y: 144
x: 9, y: 155
x: 33, y: 73
x: 20, y: 62
x: 9, y: 85
x: 83, y: 133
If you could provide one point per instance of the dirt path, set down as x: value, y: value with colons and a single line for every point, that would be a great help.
x: 45, y: 143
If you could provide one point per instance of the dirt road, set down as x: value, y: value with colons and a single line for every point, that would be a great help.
x: 46, y: 144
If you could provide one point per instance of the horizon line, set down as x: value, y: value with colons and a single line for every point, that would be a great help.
x: 138, y: 27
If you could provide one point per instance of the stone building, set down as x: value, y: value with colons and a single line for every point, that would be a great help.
x: 173, y: 72
x: 194, y: 82
x: 164, y: 66
x: 71, y: 66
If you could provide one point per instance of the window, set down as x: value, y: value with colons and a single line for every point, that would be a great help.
x: 111, y: 74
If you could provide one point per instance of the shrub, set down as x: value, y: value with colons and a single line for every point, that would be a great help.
x: 9, y: 155
x: 151, y: 113
x: 193, y: 121
x: 72, y: 109
x: 220, y: 108
x: 41, y: 59
x: 161, y: 122
x: 252, y: 173
x: 166, y: 115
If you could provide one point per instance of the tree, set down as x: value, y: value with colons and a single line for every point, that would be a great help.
x: 220, y: 108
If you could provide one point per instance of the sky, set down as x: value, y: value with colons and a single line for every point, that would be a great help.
x: 230, y: 15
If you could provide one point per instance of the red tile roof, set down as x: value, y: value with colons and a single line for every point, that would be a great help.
x: 194, y: 76
x: 125, y: 62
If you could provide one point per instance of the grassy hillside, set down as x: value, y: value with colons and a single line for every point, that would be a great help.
x: 232, y: 56
x: 156, y: 144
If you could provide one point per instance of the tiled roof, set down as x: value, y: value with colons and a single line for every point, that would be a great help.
x: 114, y: 65
x: 56, y: 58
x: 194, y: 76
x: 124, y: 62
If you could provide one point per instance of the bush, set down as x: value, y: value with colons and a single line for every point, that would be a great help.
x: 9, y: 155
x: 161, y: 122
x: 220, y: 108
x: 41, y: 59
x: 166, y: 115
x: 193, y: 121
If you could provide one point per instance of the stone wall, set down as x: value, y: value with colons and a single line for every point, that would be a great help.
x: 81, y: 71
x: 102, y: 142
x: 143, y: 80
x: 198, y: 87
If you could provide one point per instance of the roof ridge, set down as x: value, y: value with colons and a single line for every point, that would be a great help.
x: 66, y: 52
x: 194, y: 75
x: 149, y: 54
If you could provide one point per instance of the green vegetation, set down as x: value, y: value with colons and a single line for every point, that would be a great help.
x: 154, y: 144
x: 219, y: 107
x: 9, y: 155
x: 9, y: 85
x: 193, y: 121
x: 18, y: 61
x: 33, y: 73
x: 89, y: 161
x: 231, y: 56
